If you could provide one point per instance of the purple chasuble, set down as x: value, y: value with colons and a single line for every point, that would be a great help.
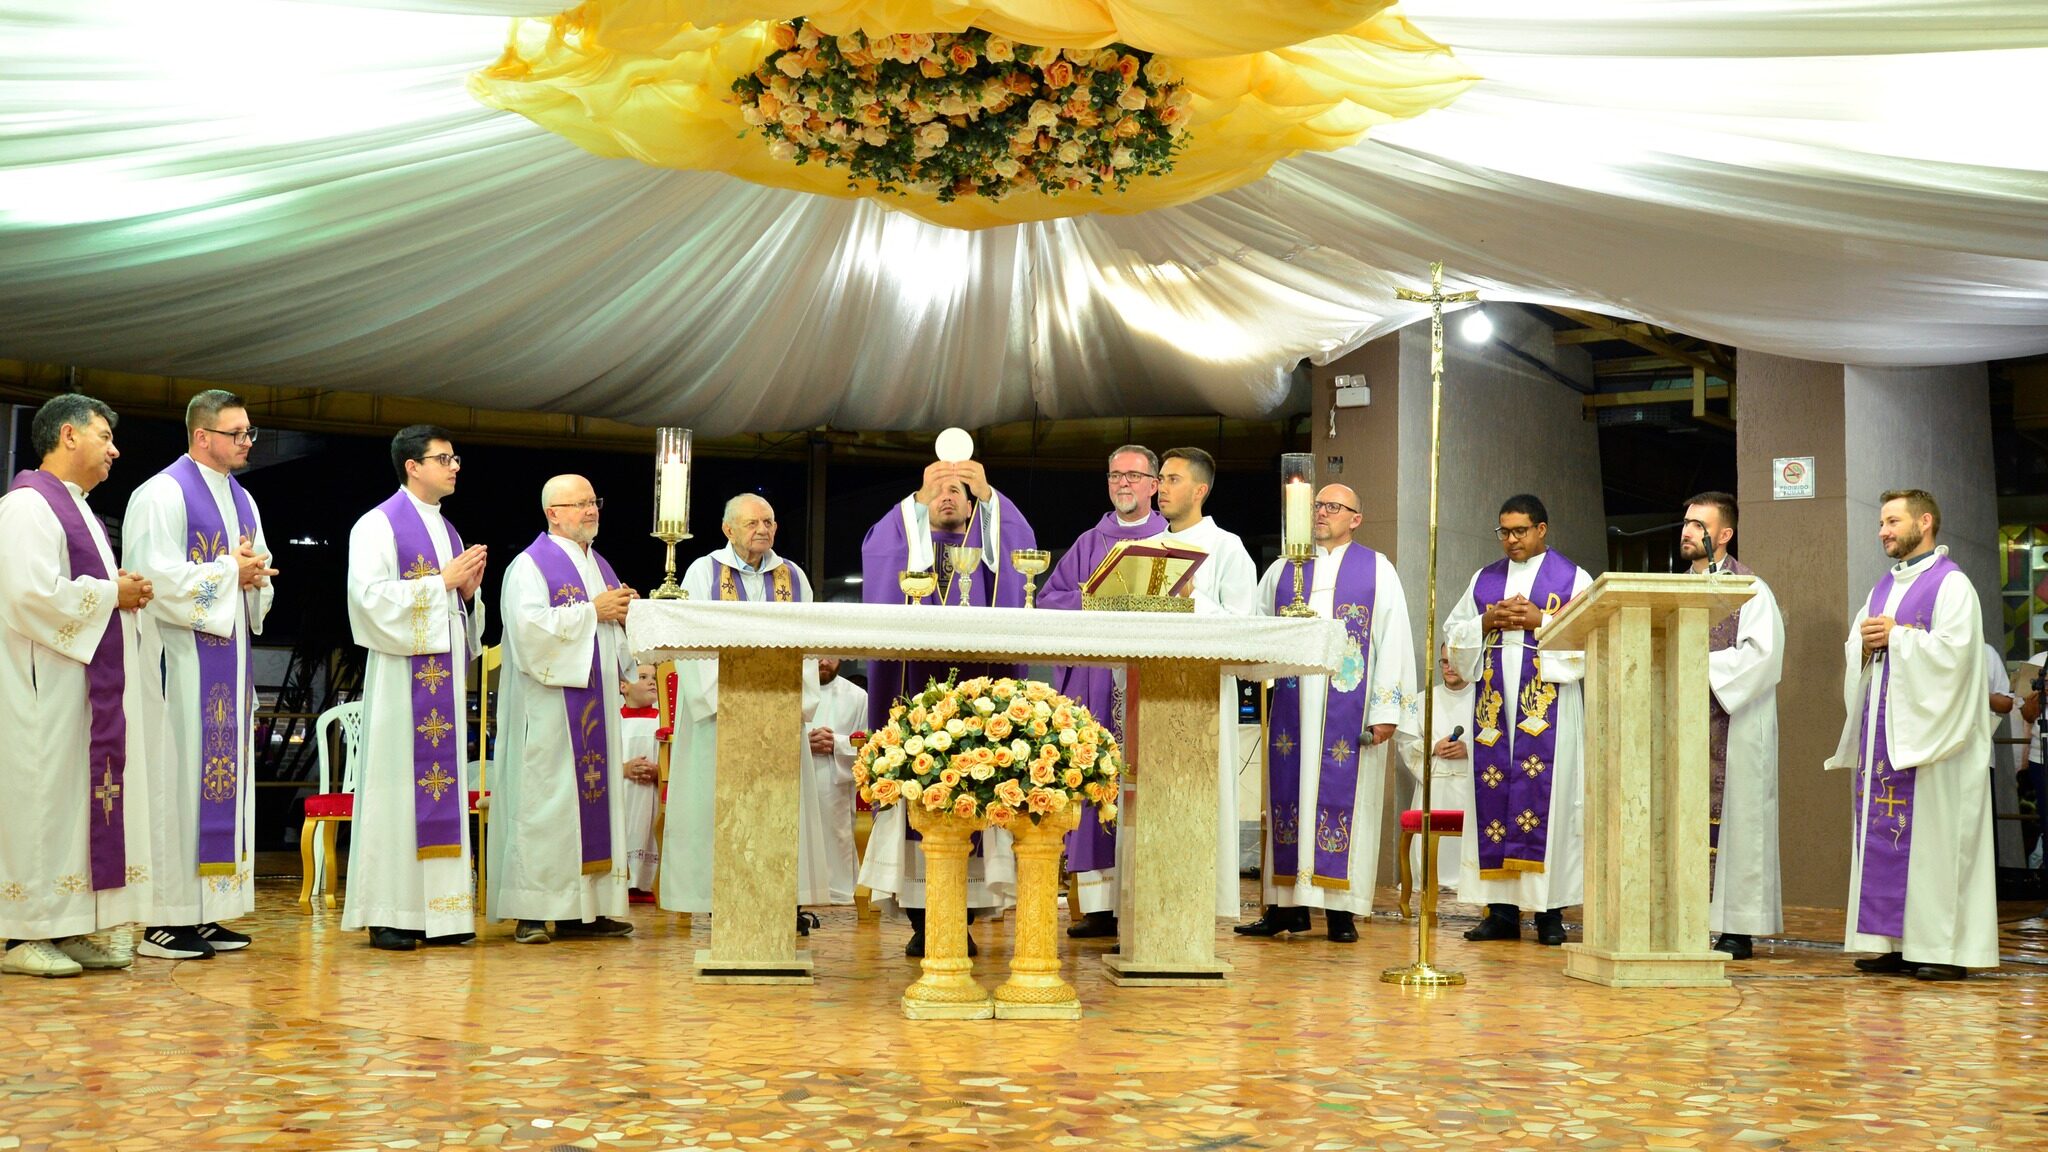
x: 1344, y: 706
x: 1513, y: 754
x: 1720, y: 637
x: 106, y: 677
x: 782, y: 587
x: 885, y: 553
x: 221, y: 711
x: 589, y: 752
x: 439, y: 808
x: 1091, y: 847
x: 1887, y: 835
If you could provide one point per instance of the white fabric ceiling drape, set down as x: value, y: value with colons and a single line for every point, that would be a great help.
x: 302, y: 193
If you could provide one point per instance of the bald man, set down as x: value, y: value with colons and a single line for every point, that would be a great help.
x: 558, y: 846
x: 747, y: 569
x: 1326, y: 754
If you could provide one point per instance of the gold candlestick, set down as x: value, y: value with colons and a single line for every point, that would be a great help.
x: 965, y: 557
x: 671, y: 503
x: 669, y: 589
x: 1031, y: 563
x: 917, y: 585
x: 1299, y: 558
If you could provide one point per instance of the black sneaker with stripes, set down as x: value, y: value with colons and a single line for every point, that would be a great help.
x: 174, y: 944
x: 222, y: 939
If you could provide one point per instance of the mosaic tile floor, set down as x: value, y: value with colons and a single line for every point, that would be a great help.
x: 313, y: 1040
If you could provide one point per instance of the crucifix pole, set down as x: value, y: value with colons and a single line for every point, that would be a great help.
x: 1423, y: 974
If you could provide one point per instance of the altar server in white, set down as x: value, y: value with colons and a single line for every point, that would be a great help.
x: 558, y: 849
x: 195, y: 533
x: 1922, y: 883
x: 1745, y: 661
x: 834, y: 709
x: 412, y: 602
x: 79, y: 728
x: 746, y: 568
x: 1524, y: 844
x: 1330, y: 736
x: 640, y: 744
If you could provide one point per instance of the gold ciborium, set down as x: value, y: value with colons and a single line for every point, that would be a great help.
x: 1031, y: 563
x: 964, y: 558
x: 917, y: 585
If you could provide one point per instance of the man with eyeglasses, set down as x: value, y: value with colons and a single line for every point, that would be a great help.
x: 1326, y: 755
x: 412, y: 603
x: 1091, y: 848
x: 1524, y: 845
x: 558, y: 849
x: 745, y: 568
x: 194, y: 531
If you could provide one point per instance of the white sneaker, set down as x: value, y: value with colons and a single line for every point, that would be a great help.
x: 38, y: 958
x: 91, y: 952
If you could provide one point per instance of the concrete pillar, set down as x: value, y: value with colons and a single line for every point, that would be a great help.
x: 1868, y: 430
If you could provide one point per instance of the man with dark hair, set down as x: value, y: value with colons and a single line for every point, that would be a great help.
x: 194, y: 532
x: 75, y: 821
x: 1744, y: 664
x: 1525, y: 844
x: 412, y: 602
x: 1091, y: 847
x: 1922, y: 879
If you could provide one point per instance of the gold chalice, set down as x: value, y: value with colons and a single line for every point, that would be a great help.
x: 917, y: 585
x: 964, y: 558
x: 1032, y: 563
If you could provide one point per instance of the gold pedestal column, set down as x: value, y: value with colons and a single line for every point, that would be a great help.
x: 1035, y: 990
x: 947, y: 990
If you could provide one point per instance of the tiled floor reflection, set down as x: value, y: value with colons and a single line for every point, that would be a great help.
x: 313, y: 1040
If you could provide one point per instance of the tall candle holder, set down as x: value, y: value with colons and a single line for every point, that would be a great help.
x: 1297, y: 522
x: 671, y: 503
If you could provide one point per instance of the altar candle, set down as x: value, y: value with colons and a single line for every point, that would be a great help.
x: 675, y: 491
x: 1298, y: 504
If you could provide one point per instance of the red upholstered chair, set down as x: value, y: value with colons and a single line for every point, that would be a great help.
x: 328, y: 809
x: 1442, y: 823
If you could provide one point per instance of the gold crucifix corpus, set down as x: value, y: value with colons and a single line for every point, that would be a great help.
x: 1436, y: 298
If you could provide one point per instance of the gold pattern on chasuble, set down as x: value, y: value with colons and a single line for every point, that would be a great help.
x: 1284, y: 744
x: 72, y: 885
x: 1534, y: 766
x: 421, y: 567
x: 593, y: 760
x: 1534, y: 701
x: 1491, y: 777
x: 1496, y: 831
x: 206, y: 549
x: 1333, y: 836
x: 1341, y: 751
x: 461, y: 903
x: 1486, y: 707
x: 12, y: 891
x: 137, y: 874
x: 1528, y: 820
x: 784, y: 592
x: 1891, y: 802
x: 568, y: 594
x: 432, y: 674
x: 219, y: 772
x: 107, y: 792
x: 422, y: 612
x: 1359, y: 612
x: 1287, y: 825
x: 437, y: 782
x: 435, y: 728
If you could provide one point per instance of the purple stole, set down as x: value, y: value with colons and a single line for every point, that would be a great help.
x: 589, y: 753
x: 782, y: 588
x: 220, y: 710
x: 1721, y: 637
x: 1887, y: 836
x: 106, y: 677
x: 1352, y: 602
x: 439, y: 808
x: 1512, y: 766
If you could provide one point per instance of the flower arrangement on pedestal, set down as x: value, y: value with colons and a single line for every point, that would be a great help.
x: 965, y: 114
x: 998, y: 750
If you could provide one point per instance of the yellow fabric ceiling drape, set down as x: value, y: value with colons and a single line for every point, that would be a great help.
x: 652, y: 79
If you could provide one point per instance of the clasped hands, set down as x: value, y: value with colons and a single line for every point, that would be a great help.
x: 1877, y: 633
x: 1514, y: 614
x: 465, y: 573
x: 641, y: 770
x: 613, y: 602
x: 969, y: 474
x: 253, y: 567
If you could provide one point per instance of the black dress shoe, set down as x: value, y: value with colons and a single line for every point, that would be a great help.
x: 1275, y: 921
x: 1735, y: 944
x: 1097, y: 924
x: 1494, y: 927
x: 805, y: 921
x: 1941, y: 972
x: 450, y: 939
x: 1343, y: 928
x: 392, y: 939
x: 1550, y: 928
x: 601, y: 928
x: 915, y: 949
x: 1889, y: 964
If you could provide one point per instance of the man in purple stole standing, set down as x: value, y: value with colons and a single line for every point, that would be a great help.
x: 558, y: 843
x: 1091, y: 848
x: 1922, y: 868
x: 955, y: 506
x: 193, y: 530
x: 79, y: 728
x: 1524, y: 844
x: 412, y: 602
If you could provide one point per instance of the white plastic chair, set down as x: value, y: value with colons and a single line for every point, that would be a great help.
x: 317, y: 852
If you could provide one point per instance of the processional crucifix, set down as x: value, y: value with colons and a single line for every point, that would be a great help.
x: 1422, y: 974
